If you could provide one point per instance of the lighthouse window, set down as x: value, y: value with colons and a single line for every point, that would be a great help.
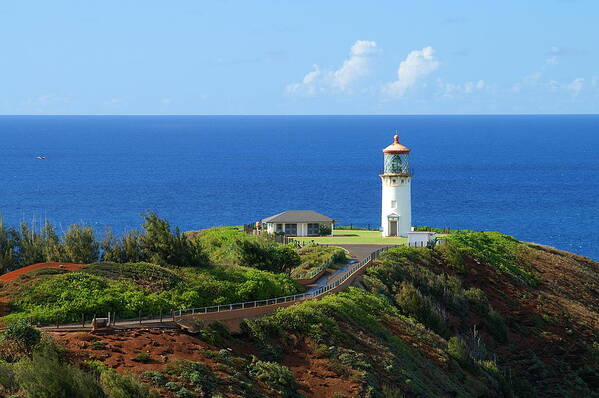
x: 402, y: 181
x: 393, y: 204
x: 394, y: 181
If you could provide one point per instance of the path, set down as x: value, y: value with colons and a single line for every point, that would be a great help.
x: 358, y: 252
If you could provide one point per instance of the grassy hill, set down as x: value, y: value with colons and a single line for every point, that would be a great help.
x: 483, y: 316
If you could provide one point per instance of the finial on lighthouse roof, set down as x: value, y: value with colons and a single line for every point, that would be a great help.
x: 396, y: 147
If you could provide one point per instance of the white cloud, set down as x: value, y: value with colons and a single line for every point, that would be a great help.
x: 552, y: 60
x: 355, y: 67
x: 450, y: 90
x: 417, y: 65
x: 575, y: 86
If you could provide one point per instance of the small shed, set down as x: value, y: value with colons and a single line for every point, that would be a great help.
x: 420, y: 238
x: 298, y: 223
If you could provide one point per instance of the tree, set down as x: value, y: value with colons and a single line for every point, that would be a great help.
x: 31, y: 246
x: 163, y: 246
x: 52, y: 246
x: 8, y: 247
x: 80, y: 245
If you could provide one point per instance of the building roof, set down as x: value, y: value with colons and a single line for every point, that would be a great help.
x: 396, y: 147
x: 298, y: 216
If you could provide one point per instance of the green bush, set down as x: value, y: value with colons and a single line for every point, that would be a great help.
x: 267, y: 255
x: 8, y: 378
x: 276, y: 377
x: 502, y: 252
x: 46, y: 376
x: 496, y: 327
x: 156, y: 378
x: 324, y: 230
x: 198, y: 374
x: 143, y: 357
x: 422, y: 308
x: 478, y: 300
x: 23, y: 334
x: 457, y: 348
x: 124, y: 386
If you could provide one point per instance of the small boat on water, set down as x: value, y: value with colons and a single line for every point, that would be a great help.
x: 40, y: 157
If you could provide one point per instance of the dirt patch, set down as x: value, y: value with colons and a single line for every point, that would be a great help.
x: 13, y: 275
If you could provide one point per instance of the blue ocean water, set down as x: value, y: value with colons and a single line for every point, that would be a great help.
x: 534, y: 177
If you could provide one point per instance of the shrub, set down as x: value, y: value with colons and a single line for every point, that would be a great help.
x: 23, y: 334
x: 277, y: 377
x: 324, y: 230
x: 46, y: 376
x: 198, y: 374
x: 171, y: 385
x: 413, y: 303
x: 478, y: 300
x: 124, y: 386
x: 156, y: 378
x: 496, y: 326
x: 143, y: 357
x: 266, y: 255
x: 502, y: 252
x: 7, y: 377
x: 457, y: 348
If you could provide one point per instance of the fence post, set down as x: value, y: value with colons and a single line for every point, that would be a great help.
x: 139, y: 317
x: 82, y: 320
x: 160, y: 315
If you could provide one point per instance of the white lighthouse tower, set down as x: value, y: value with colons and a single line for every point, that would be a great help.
x: 396, y: 209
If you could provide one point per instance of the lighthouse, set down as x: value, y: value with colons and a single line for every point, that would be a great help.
x: 396, y: 209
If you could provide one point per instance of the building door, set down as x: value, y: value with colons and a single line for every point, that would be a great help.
x: 392, y: 228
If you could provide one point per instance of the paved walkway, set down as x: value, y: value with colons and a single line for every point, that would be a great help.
x: 358, y: 252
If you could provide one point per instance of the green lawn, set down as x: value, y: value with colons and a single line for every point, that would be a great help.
x: 355, y: 236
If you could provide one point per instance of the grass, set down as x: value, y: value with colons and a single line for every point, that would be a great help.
x: 355, y: 237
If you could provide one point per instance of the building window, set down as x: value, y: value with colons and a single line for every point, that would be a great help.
x: 279, y: 227
x: 393, y: 181
x: 313, y: 229
x: 291, y: 229
x: 393, y: 204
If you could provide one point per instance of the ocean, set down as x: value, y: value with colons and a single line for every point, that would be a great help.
x: 534, y: 177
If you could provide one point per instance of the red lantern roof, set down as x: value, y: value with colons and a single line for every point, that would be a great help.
x: 396, y: 147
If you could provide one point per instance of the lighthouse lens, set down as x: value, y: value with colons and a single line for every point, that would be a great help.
x: 396, y: 164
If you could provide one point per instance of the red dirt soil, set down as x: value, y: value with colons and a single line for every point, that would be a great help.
x: 11, y: 276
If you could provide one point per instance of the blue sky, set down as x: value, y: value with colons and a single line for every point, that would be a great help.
x: 299, y: 57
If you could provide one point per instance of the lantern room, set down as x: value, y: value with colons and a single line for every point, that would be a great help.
x: 396, y: 158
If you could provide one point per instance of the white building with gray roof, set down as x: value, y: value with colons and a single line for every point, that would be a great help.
x: 298, y: 223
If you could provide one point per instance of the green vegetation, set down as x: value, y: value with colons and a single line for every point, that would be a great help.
x: 502, y: 252
x: 128, y: 289
x: 315, y: 256
x: 353, y: 332
x: 354, y: 236
x: 275, y: 376
x: 157, y: 244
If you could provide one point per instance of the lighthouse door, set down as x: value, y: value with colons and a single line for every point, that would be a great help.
x: 392, y: 228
